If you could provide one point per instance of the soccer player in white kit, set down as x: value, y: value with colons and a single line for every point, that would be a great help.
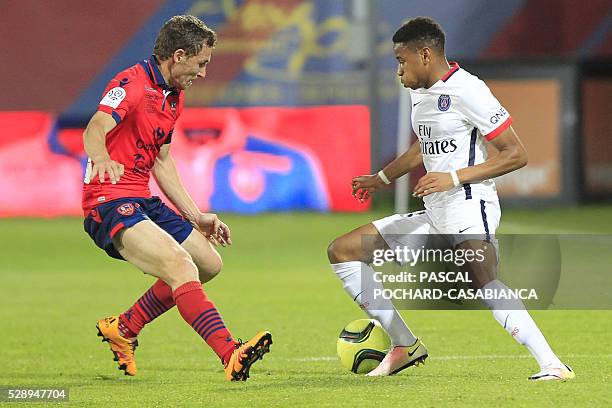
x: 454, y: 116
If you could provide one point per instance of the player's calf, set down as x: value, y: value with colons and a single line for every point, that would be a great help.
x: 153, y: 303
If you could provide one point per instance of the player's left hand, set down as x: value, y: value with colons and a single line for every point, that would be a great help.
x: 433, y: 183
x: 213, y: 229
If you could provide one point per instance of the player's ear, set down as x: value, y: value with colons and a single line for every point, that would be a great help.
x: 425, y: 55
x: 179, y: 55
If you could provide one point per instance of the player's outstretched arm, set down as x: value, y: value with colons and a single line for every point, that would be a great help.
x: 169, y: 181
x: 512, y: 156
x: 364, y: 186
x: 94, y: 142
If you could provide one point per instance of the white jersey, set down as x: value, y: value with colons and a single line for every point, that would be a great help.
x: 451, y: 120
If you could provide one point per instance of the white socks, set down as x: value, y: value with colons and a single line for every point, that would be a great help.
x: 512, y: 316
x: 510, y: 313
x: 380, y: 309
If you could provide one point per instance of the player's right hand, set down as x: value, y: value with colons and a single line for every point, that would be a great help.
x: 107, y: 166
x: 365, y: 186
x: 215, y: 230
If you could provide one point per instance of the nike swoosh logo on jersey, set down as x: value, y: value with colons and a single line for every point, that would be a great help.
x: 462, y: 230
x: 416, y: 103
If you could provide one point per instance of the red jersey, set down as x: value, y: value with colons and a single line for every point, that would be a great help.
x: 145, y: 109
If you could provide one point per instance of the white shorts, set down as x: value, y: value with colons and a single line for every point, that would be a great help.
x: 466, y: 220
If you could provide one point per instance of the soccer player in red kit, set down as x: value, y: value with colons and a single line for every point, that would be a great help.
x: 128, y: 138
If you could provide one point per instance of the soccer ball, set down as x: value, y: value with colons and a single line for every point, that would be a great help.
x: 362, y: 344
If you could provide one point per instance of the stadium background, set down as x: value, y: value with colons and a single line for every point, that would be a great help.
x: 260, y: 124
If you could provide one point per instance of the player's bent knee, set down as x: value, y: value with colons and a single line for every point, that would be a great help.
x: 211, y: 269
x: 216, y: 267
x: 338, y: 251
x: 332, y: 252
x: 178, y: 268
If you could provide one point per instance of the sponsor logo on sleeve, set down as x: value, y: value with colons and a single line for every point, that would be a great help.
x: 500, y: 114
x: 114, y: 97
x: 444, y: 103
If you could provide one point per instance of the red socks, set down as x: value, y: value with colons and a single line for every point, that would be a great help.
x: 157, y: 300
x: 201, y: 314
x: 193, y: 305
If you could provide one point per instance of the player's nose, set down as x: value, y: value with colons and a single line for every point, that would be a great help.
x: 202, y: 73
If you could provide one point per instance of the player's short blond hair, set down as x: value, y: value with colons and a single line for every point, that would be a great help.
x: 183, y: 32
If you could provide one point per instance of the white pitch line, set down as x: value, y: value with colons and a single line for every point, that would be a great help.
x: 460, y: 357
x: 509, y: 356
x: 305, y: 359
x: 538, y: 229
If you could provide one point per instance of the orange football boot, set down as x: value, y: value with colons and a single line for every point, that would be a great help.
x: 122, y: 348
x: 239, y: 364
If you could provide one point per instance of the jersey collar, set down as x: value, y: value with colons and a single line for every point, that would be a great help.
x: 150, y: 65
x: 454, y: 67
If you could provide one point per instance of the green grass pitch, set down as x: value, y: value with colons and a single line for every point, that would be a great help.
x: 55, y: 285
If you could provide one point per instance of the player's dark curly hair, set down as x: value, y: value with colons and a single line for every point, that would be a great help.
x: 186, y: 32
x: 421, y: 32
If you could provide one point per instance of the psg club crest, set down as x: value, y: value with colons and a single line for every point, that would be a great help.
x: 444, y: 102
x: 126, y: 209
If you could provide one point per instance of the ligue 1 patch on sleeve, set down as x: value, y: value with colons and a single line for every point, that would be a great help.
x: 114, y: 97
